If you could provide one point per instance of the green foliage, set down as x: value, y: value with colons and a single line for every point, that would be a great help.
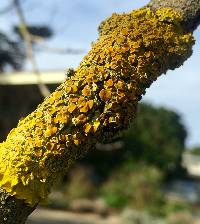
x: 137, y: 186
x: 11, y: 53
x: 176, y: 207
x: 80, y: 184
x: 156, y: 136
x: 39, y: 31
x: 195, y: 151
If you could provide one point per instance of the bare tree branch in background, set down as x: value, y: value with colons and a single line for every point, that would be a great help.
x: 54, y: 50
x: 33, y: 39
x: 29, y: 48
x: 44, y: 47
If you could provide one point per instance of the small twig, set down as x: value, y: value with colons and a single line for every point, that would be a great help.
x: 38, y: 40
x: 29, y: 48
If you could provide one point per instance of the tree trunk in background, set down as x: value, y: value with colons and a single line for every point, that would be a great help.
x: 14, y: 211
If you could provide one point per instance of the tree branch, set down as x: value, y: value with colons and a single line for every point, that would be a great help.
x: 190, y: 10
x: 56, y: 119
x: 12, y: 210
x: 29, y: 48
x: 45, y: 47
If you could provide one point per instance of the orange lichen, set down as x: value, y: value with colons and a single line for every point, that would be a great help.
x: 98, y: 99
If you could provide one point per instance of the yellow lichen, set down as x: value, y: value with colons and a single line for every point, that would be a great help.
x: 97, y: 100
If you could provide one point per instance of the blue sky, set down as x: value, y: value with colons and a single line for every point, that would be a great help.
x: 75, y: 24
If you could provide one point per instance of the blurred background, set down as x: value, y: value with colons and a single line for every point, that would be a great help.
x: 151, y: 172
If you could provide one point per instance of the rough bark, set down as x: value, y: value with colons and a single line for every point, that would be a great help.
x: 190, y: 10
x: 14, y: 211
